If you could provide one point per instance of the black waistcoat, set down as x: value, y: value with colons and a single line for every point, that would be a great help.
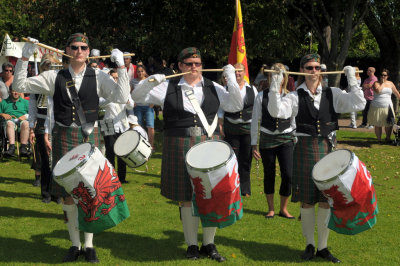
x: 174, y: 114
x: 315, y: 122
x: 39, y: 101
x: 64, y: 111
x: 269, y: 122
x: 248, y: 103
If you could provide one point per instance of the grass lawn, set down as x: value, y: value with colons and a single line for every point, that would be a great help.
x: 32, y: 232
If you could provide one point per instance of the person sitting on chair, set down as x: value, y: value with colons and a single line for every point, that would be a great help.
x: 14, y: 110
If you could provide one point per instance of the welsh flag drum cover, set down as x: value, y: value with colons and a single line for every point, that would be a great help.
x: 216, y: 196
x: 98, y: 194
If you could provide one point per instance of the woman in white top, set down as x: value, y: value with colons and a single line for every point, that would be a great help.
x: 380, y: 105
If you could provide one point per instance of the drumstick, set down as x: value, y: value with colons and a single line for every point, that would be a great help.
x: 308, y: 74
x: 47, y: 47
x: 339, y: 72
x: 172, y: 76
x: 217, y: 70
x: 106, y: 56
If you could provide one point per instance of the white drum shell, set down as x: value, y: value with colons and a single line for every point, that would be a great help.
x: 85, y: 172
x: 132, y: 148
x: 211, y: 161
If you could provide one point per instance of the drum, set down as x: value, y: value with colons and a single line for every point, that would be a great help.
x: 347, y: 184
x: 213, y: 170
x: 94, y: 185
x: 133, y: 148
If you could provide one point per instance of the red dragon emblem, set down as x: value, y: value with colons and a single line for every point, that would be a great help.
x: 105, y: 184
x: 224, y: 194
x: 365, y: 202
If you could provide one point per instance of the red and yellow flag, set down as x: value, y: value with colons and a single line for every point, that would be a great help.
x: 237, y: 54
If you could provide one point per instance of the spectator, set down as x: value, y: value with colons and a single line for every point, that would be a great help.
x: 353, y: 115
x: 15, y: 111
x: 368, y: 94
x: 131, y: 68
x: 6, y: 79
x: 290, y: 85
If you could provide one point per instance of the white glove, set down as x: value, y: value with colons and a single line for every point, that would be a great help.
x: 229, y: 71
x: 29, y: 47
x: 350, y: 73
x: 156, y: 79
x: 276, y: 80
x: 117, y: 57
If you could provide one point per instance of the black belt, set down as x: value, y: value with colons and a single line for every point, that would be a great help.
x: 185, y: 132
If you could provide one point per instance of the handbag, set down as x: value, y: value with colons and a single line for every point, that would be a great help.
x: 390, y: 118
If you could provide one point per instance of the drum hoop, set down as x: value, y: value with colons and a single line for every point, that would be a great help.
x: 352, y: 156
x: 79, y: 165
x: 203, y: 170
x: 137, y: 144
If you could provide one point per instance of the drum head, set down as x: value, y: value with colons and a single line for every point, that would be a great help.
x: 333, y: 164
x: 77, y: 156
x: 126, y: 143
x: 208, y: 154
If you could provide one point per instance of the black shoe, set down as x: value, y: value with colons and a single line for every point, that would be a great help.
x: 192, y: 252
x: 46, y: 200
x: 308, y: 253
x: 90, y: 255
x: 72, y: 255
x: 211, y: 251
x: 36, y: 183
x: 325, y: 254
x: 11, y: 150
x: 24, y: 150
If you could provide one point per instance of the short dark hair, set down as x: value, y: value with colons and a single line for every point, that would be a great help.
x: 7, y: 64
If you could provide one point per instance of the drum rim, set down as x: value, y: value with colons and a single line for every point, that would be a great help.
x: 352, y: 157
x: 79, y: 165
x: 137, y: 144
x: 212, y: 168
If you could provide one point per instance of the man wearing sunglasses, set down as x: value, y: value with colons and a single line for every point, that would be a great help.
x: 315, y: 109
x: 90, y: 84
x: 183, y: 129
x: 6, y: 79
x: 14, y: 110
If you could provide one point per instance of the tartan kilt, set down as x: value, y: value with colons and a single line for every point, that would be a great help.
x: 307, y: 152
x: 175, y: 180
x: 63, y: 140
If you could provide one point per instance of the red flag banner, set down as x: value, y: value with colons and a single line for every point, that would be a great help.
x: 237, y: 54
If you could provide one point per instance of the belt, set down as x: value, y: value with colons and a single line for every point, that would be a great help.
x: 185, y: 132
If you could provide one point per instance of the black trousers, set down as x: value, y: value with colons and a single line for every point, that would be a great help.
x: 365, y: 113
x: 45, y: 172
x: 284, y: 153
x: 241, y: 145
x: 110, y: 155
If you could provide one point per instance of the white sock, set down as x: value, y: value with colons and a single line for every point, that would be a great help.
x: 323, y: 231
x: 190, y: 225
x: 72, y: 224
x: 88, y: 240
x: 208, y: 235
x: 308, y: 224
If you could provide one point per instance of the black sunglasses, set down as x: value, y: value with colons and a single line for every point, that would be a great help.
x: 15, y: 106
x: 313, y: 67
x: 83, y: 47
x: 192, y: 63
x: 383, y: 75
x: 8, y: 70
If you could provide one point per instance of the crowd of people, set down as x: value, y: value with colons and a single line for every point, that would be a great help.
x: 294, y: 122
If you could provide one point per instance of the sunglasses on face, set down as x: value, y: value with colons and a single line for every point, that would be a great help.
x: 192, y: 63
x: 83, y: 47
x: 313, y: 67
x: 384, y: 75
x: 8, y: 70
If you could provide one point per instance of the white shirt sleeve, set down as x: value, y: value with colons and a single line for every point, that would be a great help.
x: 114, y: 92
x: 283, y: 107
x: 231, y: 99
x: 145, y: 92
x: 345, y: 102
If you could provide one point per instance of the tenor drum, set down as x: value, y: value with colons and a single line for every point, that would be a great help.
x: 132, y: 148
x: 347, y: 184
x: 213, y: 170
x: 94, y: 185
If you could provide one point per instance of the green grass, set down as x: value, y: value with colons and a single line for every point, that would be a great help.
x: 32, y: 232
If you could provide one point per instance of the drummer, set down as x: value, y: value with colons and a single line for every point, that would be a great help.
x: 90, y: 85
x: 315, y: 109
x: 183, y: 129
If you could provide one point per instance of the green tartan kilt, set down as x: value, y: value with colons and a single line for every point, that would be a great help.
x: 175, y: 180
x: 65, y: 139
x: 307, y: 152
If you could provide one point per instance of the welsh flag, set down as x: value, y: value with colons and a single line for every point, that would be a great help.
x: 237, y: 53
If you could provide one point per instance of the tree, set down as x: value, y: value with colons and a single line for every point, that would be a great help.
x: 339, y: 17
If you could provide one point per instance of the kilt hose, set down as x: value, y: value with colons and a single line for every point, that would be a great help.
x: 175, y: 180
x: 63, y: 140
x: 307, y: 152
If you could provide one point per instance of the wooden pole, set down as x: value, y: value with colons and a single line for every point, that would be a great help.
x: 308, y: 74
x: 47, y: 47
x: 172, y: 76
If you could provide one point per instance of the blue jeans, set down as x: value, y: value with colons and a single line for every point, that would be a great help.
x: 145, y: 116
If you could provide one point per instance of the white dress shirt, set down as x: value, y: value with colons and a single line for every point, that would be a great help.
x: 117, y: 112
